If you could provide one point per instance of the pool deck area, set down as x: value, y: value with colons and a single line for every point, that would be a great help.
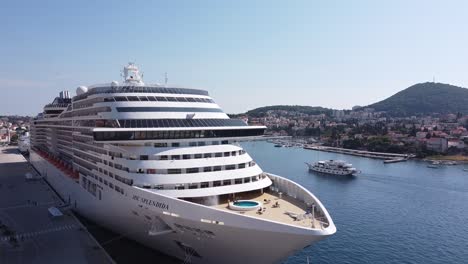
x: 278, y: 214
x: 28, y: 232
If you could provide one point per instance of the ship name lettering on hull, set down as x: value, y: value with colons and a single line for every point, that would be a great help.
x: 151, y: 202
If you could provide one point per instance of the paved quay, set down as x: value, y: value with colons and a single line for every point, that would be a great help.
x: 28, y: 232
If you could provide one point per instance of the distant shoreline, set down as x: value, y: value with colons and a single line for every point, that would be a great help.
x: 458, y: 158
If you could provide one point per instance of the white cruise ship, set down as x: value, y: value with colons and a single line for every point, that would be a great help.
x: 335, y: 167
x: 162, y: 166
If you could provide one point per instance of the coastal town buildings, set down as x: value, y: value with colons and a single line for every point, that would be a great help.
x: 364, y: 128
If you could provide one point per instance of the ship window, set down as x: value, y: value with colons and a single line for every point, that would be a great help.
x: 198, y: 156
x: 241, y: 165
x: 227, y: 154
x: 174, y: 171
x: 161, y: 99
x: 176, y: 144
x: 186, y: 156
x: 133, y: 98
x: 246, y: 180
x: 190, y: 99
x: 175, y: 157
x: 151, y: 98
x: 238, y: 181
x: 227, y: 182
x: 163, y: 157
x: 201, y: 143
x: 224, y: 142
x: 193, y: 186
x: 204, y: 185
x: 192, y: 170
x: 180, y: 186
x: 207, y: 169
x: 207, y: 155
x: 216, y: 168
x: 218, y: 154
x: 254, y: 178
x: 233, y: 153
x: 192, y: 144
x: 144, y: 157
x: 143, y: 98
x: 151, y: 171
x: 120, y: 98
x: 171, y: 99
x: 230, y: 167
x: 216, y: 183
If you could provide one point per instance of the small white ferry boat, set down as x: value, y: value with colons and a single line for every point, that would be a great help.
x: 335, y: 167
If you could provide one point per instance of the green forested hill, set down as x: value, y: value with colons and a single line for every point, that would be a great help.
x: 425, y: 98
x: 310, y: 110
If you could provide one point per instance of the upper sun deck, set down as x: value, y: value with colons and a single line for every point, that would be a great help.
x: 133, y: 83
x: 125, y: 88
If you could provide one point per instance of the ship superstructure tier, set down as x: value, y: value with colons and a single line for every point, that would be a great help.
x: 163, y: 166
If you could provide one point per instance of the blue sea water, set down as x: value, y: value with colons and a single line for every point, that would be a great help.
x: 390, y: 213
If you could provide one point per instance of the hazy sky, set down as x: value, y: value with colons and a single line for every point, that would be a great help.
x: 245, y: 53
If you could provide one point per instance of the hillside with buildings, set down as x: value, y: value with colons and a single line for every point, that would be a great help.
x: 367, y: 129
x: 11, y: 126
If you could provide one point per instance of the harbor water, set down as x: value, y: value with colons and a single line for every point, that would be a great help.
x: 390, y: 213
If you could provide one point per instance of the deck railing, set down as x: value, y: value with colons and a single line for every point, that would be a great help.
x: 294, y: 190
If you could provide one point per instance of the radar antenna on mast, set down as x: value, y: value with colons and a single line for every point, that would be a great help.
x: 165, y: 78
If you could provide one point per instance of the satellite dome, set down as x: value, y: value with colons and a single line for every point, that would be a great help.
x: 81, y: 90
x: 114, y: 83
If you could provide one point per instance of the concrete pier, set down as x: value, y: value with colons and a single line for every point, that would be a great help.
x: 28, y: 231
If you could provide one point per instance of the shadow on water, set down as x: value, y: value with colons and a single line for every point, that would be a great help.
x: 10, y: 151
x: 123, y: 250
x: 335, y: 178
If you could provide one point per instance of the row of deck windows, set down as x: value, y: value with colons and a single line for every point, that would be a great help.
x: 139, y: 89
x: 198, y: 185
x: 196, y: 156
x: 198, y: 170
x: 179, y: 122
x: 178, y: 171
x: 87, y: 184
x: 190, y: 144
x: 157, y: 99
x: 158, y: 135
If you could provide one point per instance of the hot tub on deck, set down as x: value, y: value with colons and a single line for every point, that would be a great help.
x: 244, y: 205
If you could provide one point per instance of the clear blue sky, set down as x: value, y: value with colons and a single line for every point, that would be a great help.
x: 245, y: 53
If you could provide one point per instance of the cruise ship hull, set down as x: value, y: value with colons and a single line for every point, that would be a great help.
x: 174, y: 226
